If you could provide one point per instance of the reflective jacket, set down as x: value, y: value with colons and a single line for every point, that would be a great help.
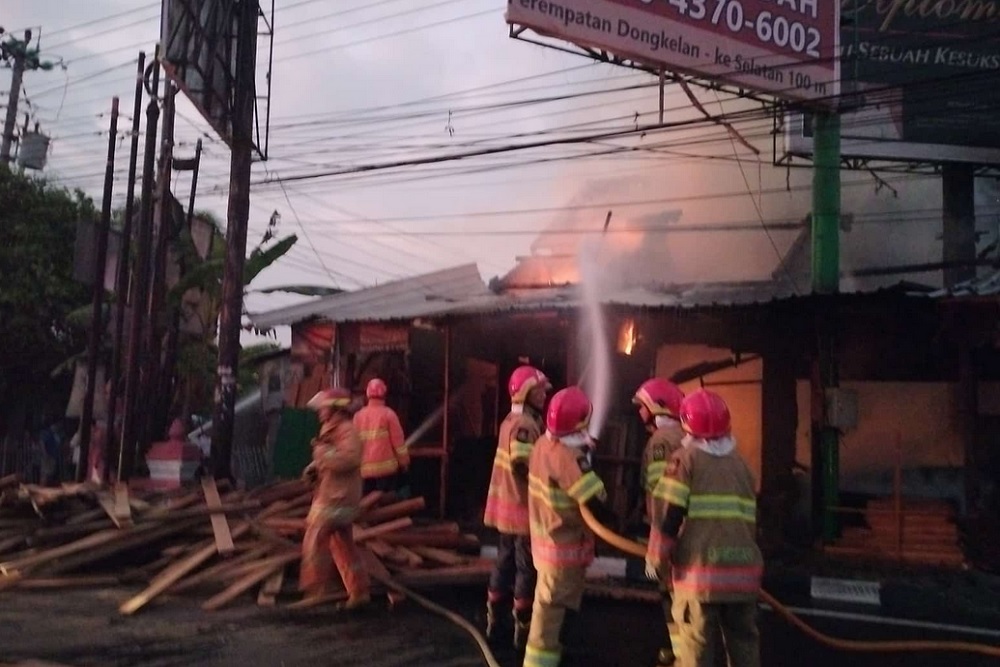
x: 507, y: 502
x: 560, y: 479
x: 381, y: 434
x: 708, y: 528
x: 336, y: 455
x: 660, y: 447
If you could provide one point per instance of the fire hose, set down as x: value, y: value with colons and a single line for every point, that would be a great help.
x: 635, y: 549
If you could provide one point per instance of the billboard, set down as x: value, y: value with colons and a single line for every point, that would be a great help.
x: 925, y: 82
x: 198, y: 38
x: 785, y: 48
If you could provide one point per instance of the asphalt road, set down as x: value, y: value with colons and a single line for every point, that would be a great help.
x: 83, y: 628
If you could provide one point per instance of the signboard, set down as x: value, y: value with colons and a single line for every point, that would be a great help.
x: 786, y: 48
x: 926, y: 77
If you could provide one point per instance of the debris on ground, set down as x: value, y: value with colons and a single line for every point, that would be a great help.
x: 228, y: 543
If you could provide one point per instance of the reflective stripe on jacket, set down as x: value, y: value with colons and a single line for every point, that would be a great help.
x: 507, y: 501
x: 385, y: 450
x: 661, y: 446
x: 560, y: 479
x: 715, y: 556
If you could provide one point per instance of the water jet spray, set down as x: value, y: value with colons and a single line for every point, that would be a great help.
x: 596, y: 377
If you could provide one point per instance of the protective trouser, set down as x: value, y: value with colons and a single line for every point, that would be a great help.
x: 559, y: 592
x: 699, y: 625
x: 514, y: 571
x: 325, y: 545
x: 386, y: 484
x: 667, y: 654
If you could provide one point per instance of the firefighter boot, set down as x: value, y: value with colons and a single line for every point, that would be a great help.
x: 522, y: 623
x: 494, y: 620
x: 571, y: 638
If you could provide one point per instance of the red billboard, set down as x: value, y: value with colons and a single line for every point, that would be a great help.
x: 786, y: 48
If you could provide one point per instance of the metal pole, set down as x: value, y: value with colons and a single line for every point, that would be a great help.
x: 445, y: 430
x: 152, y: 423
x: 17, y: 74
x: 826, y: 280
x: 97, y: 299
x: 231, y: 310
x: 125, y: 249
x: 140, y: 287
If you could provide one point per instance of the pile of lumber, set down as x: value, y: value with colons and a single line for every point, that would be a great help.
x: 922, y: 532
x: 223, y: 543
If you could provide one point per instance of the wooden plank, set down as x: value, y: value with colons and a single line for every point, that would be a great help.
x: 394, y: 511
x: 9, y: 481
x: 441, y: 540
x: 59, y: 533
x: 271, y: 588
x: 123, y: 508
x: 86, y: 517
x: 441, y: 556
x: 263, y: 571
x: 89, y: 542
x: 11, y: 543
x: 362, y: 534
x: 107, y: 503
x: 175, y: 573
x: 370, y: 500
x: 219, y: 570
x: 220, y: 527
x: 131, y: 539
x: 473, y: 573
x: 315, y: 601
x: 69, y: 582
x: 226, y: 508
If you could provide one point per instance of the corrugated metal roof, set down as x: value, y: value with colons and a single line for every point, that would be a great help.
x: 408, y: 298
x: 986, y: 286
x: 570, y: 297
x: 461, y: 292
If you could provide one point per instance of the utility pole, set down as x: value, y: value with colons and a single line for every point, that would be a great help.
x: 140, y: 287
x: 122, y: 279
x: 97, y: 303
x: 826, y: 281
x: 21, y: 59
x: 231, y: 312
x: 151, y: 425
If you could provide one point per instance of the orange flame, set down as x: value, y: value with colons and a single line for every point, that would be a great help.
x: 627, y: 337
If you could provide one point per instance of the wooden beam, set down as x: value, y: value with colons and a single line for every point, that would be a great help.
x: 394, y: 511
x: 442, y: 556
x: 271, y: 588
x: 175, y: 573
x: 220, y: 570
x: 265, y: 569
x: 362, y: 534
x: 220, y: 527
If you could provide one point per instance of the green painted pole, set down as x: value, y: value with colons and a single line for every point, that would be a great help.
x: 826, y: 280
x: 826, y: 204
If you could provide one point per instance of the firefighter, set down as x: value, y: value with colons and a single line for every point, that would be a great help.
x: 659, y: 404
x: 560, y: 479
x: 336, y: 466
x: 507, y: 503
x: 386, y: 457
x: 706, y: 532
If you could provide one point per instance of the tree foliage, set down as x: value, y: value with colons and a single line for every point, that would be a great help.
x: 37, y: 290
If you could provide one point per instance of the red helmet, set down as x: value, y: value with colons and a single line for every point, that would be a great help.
x: 705, y: 415
x: 569, y: 412
x: 376, y: 389
x: 334, y: 397
x: 659, y: 397
x: 523, y: 380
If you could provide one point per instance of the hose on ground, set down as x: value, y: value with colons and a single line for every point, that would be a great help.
x: 633, y: 548
x: 435, y: 608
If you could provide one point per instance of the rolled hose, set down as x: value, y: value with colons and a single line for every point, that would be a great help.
x: 635, y: 549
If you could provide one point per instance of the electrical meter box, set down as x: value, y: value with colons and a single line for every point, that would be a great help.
x: 842, y: 408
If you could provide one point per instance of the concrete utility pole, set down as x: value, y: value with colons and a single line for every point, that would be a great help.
x: 231, y: 313
x: 21, y: 59
x: 826, y: 281
x: 97, y: 305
